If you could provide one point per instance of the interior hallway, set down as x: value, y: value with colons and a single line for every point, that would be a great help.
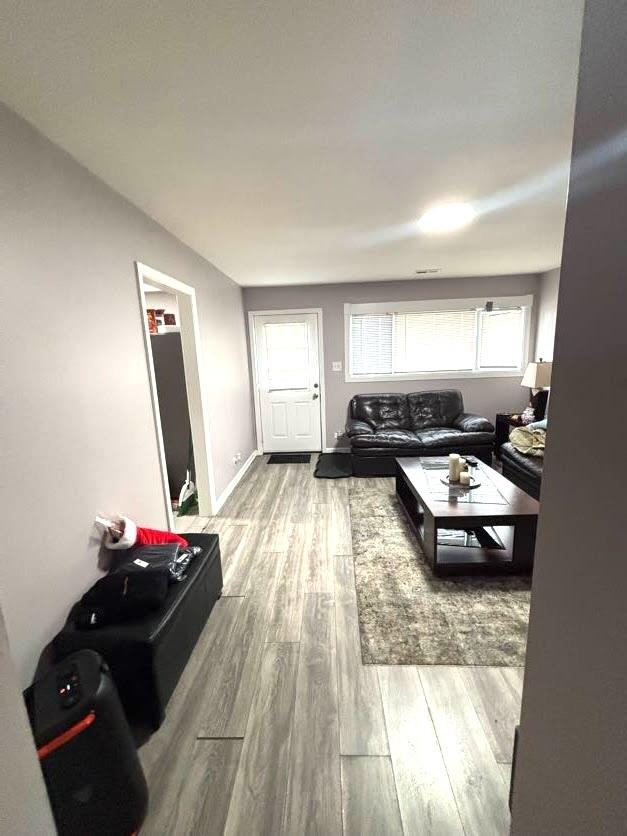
x: 277, y: 727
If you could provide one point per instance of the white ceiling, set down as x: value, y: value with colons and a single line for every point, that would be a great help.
x: 296, y: 142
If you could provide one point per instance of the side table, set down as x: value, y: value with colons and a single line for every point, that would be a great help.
x: 505, y: 421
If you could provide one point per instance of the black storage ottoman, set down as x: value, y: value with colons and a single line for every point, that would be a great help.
x: 147, y: 656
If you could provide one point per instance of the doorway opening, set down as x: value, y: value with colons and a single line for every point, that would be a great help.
x: 172, y: 343
x: 288, y: 372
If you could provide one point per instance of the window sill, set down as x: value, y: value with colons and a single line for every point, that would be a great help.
x: 374, y: 378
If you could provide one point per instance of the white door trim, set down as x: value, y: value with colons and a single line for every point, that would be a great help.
x: 253, y: 362
x: 194, y: 382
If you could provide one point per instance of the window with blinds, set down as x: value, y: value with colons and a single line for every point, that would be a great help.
x: 435, y: 341
x: 501, y: 335
x: 463, y: 338
x: 371, y: 344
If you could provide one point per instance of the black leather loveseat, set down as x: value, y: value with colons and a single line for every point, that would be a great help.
x: 384, y: 426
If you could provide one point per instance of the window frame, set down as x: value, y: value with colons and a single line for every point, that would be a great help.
x: 525, y: 302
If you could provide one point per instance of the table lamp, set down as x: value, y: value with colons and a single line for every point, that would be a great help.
x: 538, y: 377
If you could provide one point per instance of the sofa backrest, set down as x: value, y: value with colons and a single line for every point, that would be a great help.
x: 381, y: 411
x: 434, y: 409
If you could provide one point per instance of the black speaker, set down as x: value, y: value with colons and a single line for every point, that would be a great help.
x: 86, y: 750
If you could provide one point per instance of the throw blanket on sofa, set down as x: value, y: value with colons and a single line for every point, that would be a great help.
x: 530, y: 441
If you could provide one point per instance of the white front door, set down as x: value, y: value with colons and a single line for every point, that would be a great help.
x: 288, y: 377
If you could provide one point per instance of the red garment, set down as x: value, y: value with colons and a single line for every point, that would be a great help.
x: 134, y: 535
x: 152, y: 537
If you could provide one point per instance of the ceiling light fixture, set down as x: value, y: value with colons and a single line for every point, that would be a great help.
x: 446, y: 217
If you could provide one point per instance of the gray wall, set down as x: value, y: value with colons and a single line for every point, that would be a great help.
x: 24, y: 807
x: 487, y: 396
x: 572, y: 767
x: 78, y: 411
x: 547, y: 312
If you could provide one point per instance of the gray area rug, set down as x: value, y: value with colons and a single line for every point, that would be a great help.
x: 407, y: 616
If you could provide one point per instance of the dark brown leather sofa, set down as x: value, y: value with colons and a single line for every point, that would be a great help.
x: 382, y: 427
x: 524, y: 471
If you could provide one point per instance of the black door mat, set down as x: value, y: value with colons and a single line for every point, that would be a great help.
x: 334, y: 466
x: 290, y: 458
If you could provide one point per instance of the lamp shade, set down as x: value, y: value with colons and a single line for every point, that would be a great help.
x: 537, y: 375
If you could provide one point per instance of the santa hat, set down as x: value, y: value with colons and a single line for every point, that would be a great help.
x: 135, y: 535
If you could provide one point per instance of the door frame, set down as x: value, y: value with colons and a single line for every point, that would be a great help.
x: 253, y: 362
x: 194, y: 384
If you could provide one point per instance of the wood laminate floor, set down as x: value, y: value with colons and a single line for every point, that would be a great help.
x: 277, y: 727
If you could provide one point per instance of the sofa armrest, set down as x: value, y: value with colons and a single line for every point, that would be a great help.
x: 468, y: 423
x: 355, y: 427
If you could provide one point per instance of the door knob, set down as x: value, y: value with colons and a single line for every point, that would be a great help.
x: 315, y: 385
x: 315, y: 395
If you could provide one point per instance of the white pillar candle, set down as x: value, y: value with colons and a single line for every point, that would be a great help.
x: 453, y: 467
x: 464, y: 478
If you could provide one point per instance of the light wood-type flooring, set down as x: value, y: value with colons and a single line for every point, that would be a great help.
x: 277, y: 727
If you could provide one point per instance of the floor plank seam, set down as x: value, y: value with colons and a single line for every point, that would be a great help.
x: 284, y: 641
x: 387, y: 736
x: 337, y: 704
x: 437, y: 737
x: 477, y: 715
x: 342, y: 797
x: 291, y: 734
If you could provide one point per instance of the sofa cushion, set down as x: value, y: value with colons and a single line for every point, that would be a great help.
x: 387, y: 439
x: 383, y: 411
x: 447, y: 437
x: 434, y: 409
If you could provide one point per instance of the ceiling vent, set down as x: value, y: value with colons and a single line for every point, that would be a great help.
x: 427, y: 271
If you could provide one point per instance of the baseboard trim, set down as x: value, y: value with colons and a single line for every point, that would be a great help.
x: 235, y: 480
x: 336, y: 450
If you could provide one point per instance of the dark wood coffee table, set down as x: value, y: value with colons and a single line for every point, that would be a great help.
x: 491, y: 528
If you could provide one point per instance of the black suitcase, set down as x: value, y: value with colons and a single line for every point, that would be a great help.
x: 86, y: 751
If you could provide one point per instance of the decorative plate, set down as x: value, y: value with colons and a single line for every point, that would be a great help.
x: 474, y: 482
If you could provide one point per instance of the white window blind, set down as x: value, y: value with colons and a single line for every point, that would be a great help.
x: 465, y: 336
x: 435, y: 341
x: 501, y: 334
x: 371, y: 344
